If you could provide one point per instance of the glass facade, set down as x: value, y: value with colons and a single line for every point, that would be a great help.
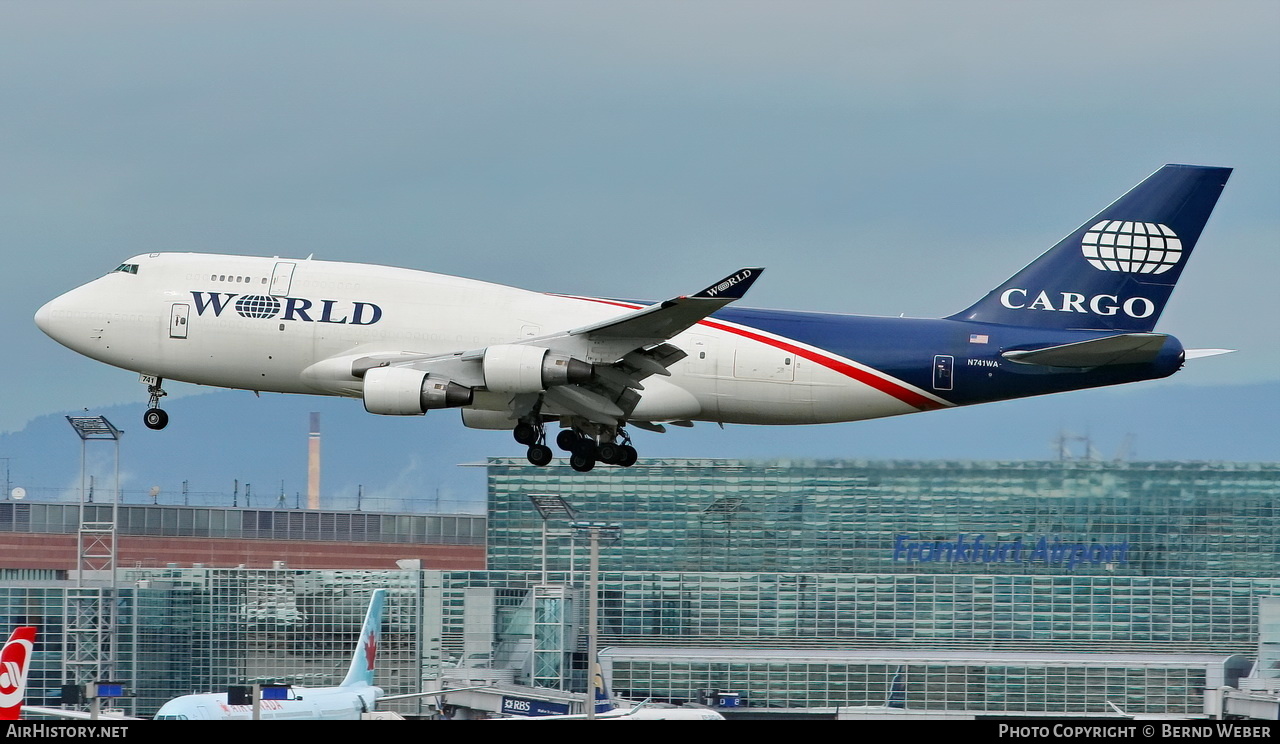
x: 199, y: 630
x: 859, y: 611
x: 263, y: 524
x: 911, y: 517
x: 796, y: 585
x: 1028, y: 557
x: 978, y: 683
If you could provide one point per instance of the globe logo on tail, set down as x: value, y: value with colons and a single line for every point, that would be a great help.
x: 1132, y: 247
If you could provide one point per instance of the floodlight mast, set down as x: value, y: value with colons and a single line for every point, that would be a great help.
x: 90, y: 639
x: 96, y: 544
x: 549, y: 505
x: 594, y: 531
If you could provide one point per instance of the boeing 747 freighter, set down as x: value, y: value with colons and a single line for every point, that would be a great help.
x: 406, y: 342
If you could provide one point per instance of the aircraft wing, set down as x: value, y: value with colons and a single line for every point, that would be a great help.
x: 667, y: 319
x: 601, y: 365
x: 628, y: 348
x: 1125, y: 348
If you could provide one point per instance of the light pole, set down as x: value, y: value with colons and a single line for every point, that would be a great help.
x: 594, y: 531
x: 549, y: 505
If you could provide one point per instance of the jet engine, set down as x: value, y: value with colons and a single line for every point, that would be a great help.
x: 510, y: 368
x: 401, y: 391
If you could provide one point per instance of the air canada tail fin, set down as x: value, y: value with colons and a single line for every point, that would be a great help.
x: 15, y: 661
x: 365, y: 655
x: 1116, y: 271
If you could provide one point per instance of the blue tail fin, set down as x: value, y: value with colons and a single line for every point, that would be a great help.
x: 1116, y: 271
x: 366, y: 652
x: 603, y: 700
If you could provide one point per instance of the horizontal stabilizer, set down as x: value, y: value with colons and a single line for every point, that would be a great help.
x: 1202, y: 353
x: 1126, y: 348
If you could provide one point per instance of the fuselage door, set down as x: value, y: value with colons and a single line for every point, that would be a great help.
x: 281, y: 278
x: 178, y: 320
x: 943, y: 372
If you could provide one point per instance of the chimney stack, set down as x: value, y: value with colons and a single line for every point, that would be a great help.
x: 313, y: 463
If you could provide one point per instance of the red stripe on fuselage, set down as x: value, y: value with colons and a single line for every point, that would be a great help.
x: 884, y: 385
x: 890, y: 387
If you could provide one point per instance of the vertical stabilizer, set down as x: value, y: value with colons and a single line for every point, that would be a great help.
x: 365, y: 655
x: 15, y: 661
x: 603, y: 701
x: 1117, y: 270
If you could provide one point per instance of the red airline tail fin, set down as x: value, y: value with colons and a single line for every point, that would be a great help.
x: 15, y: 660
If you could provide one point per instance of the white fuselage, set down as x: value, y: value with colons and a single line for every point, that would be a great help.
x: 186, y: 317
x: 309, y: 704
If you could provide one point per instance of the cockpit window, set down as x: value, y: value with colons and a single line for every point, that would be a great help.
x: 127, y: 268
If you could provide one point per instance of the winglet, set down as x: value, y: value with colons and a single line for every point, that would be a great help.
x: 732, y: 287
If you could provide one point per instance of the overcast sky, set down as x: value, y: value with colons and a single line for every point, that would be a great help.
x: 877, y: 157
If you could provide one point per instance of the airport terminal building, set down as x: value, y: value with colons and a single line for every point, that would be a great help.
x: 994, y: 587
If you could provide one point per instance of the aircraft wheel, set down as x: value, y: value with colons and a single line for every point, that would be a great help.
x: 539, y: 454
x: 155, y: 418
x: 525, y: 433
x: 628, y: 456
x: 581, y: 463
x: 567, y: 439
x: 586, y: 448
x: 609, y: 453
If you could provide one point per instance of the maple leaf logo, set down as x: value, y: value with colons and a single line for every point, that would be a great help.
x: 371, y: 650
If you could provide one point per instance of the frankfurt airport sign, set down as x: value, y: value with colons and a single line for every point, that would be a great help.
x: 968, y: 548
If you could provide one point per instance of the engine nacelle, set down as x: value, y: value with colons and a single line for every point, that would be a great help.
x: 511, y: 368
x: 400, y: 391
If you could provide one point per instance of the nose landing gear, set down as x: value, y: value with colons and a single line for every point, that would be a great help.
x: 155, y: 417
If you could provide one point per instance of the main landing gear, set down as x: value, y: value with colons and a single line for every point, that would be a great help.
x: 584, y: 451
x: 533, y: 435
x: 155, y: 417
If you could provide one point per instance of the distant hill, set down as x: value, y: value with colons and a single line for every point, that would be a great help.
x: 412, y: 464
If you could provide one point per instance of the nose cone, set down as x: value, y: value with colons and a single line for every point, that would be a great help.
x: 44, y: 318
x: 57, y: 322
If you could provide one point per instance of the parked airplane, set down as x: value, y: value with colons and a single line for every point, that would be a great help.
x: 356, y: 694
x: 406, y: 342
x: 15, y: 662
x: 353, y: 697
